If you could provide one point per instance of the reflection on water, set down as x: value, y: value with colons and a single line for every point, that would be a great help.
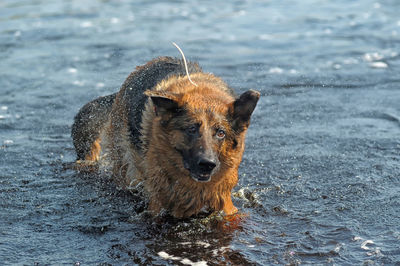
x: 319, y: 182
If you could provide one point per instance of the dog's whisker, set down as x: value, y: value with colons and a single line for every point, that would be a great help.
x: 184, y: 61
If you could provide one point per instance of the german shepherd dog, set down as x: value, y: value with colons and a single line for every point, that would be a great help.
x: 181, y: 137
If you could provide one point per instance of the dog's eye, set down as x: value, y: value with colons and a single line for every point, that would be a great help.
x: 220, y: 134
x: 192, y: 130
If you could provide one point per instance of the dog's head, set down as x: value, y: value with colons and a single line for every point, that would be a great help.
x: 204, y: 126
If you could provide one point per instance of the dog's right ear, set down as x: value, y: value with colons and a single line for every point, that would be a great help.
x: 163, y: 103
x: 242, y: 108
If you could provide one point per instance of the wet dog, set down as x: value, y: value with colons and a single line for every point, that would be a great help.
x: 180, y: 136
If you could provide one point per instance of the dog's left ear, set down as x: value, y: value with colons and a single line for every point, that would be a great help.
x: 242, y: 108
x: 163, y: 103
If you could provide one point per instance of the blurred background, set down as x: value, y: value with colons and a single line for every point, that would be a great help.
x: 320, y: 176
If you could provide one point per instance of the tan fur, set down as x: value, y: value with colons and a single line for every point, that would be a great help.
x: 95, y: 150
x: 167, y: 187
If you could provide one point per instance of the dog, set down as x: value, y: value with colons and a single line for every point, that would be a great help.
x: 182, y: 137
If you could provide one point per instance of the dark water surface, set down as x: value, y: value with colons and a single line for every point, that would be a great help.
x: 320, y: 179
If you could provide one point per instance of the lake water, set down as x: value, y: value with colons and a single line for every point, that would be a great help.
x: 320, y: 178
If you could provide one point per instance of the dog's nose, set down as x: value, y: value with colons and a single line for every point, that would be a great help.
x: 206, y: 165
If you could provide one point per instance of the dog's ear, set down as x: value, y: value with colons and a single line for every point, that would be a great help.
x: 163, y: 103
x: 242, y: 108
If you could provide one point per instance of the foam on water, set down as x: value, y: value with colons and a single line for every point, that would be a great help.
x: 86, y: 24
x: 275, y: 70
x: 72, y: 70
x: 184, y: 261
x: 378, y: 64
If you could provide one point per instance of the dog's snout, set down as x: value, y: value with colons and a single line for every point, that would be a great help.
x: 206, y: 165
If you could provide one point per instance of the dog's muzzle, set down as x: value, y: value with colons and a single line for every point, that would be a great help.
x: 201, y: 170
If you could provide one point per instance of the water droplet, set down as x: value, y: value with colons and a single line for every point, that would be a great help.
x: 78, y: 83
x: 378, y: 64
x: 372, y: 56
x: 86, y: 24
x: 72, y: 70
x: 275, y: 70
x: 114, y: 20
x: 377, y: 5
x: 265, y: 37
x: 337, y: 66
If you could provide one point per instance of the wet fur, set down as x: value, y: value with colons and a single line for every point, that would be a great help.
x: 142, y: 137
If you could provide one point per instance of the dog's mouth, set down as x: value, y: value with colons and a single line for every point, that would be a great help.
x: 204, y: 177
x: 198, y: 176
